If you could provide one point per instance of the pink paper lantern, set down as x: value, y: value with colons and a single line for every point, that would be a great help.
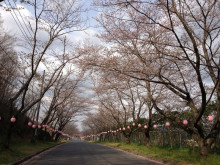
x: 119, y: 129
x: 210, y: 118
x: 29, y: 124
x: 128, y: 127
x: 185, y: 122
x: 39, y: 126
x: 13, y: 119
x: 145, y: 126
x: 33, y: 126
x: 139, y: 125
x: 123, y: 128
x: 133, y: 124
x: 167, y: 123
x: 155, y: 126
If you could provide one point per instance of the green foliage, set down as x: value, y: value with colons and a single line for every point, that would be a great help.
x: 168, y: 155
x: 211, y: 107
x: 21, y: 149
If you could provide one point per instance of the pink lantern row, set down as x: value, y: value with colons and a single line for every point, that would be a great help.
x: 33, y: 125
x: 39, y: 126
x: 128, y: 127
x: 13, y: 119
x: 185, y: 122
x: 139, y: 126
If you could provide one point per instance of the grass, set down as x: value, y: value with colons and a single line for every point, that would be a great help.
x: 168, y: 155
x: 22, y: 149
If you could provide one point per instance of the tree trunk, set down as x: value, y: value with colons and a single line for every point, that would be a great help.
x: 53, y: 136
x: 57, y: 137
x: 100, y: 138
x: 204, y: 148
x: 9, y: 126
x: 147, y: 138
x: 7, y: 139
x: 34, y: 135
x: 127, y: 139
x: 114, y: 138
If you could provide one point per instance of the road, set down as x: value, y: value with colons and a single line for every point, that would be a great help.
x: 83, y: 153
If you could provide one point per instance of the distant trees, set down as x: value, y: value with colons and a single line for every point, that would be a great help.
x: 123, y: 99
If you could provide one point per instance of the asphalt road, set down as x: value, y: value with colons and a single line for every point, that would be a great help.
x: 83, y: 153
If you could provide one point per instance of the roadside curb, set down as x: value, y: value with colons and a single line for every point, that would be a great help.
x: 30, y: 156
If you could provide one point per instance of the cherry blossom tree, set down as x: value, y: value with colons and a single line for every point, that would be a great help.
x: 54, y: 20
x: 174, y: 44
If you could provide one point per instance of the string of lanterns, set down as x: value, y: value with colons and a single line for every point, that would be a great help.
x: 48, y: 127
x: 13, y: 120
x: 185, y: 122
x: 167, y: 124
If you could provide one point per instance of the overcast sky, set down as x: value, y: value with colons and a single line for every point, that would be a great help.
x: 12, y: 26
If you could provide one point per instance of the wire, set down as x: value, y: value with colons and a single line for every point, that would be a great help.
x: 29, y: 31
x: 18, y: 23
x: 18, y: 20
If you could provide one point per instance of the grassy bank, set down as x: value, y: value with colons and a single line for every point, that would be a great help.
x: 168, y: 155
x: 22, y: 149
